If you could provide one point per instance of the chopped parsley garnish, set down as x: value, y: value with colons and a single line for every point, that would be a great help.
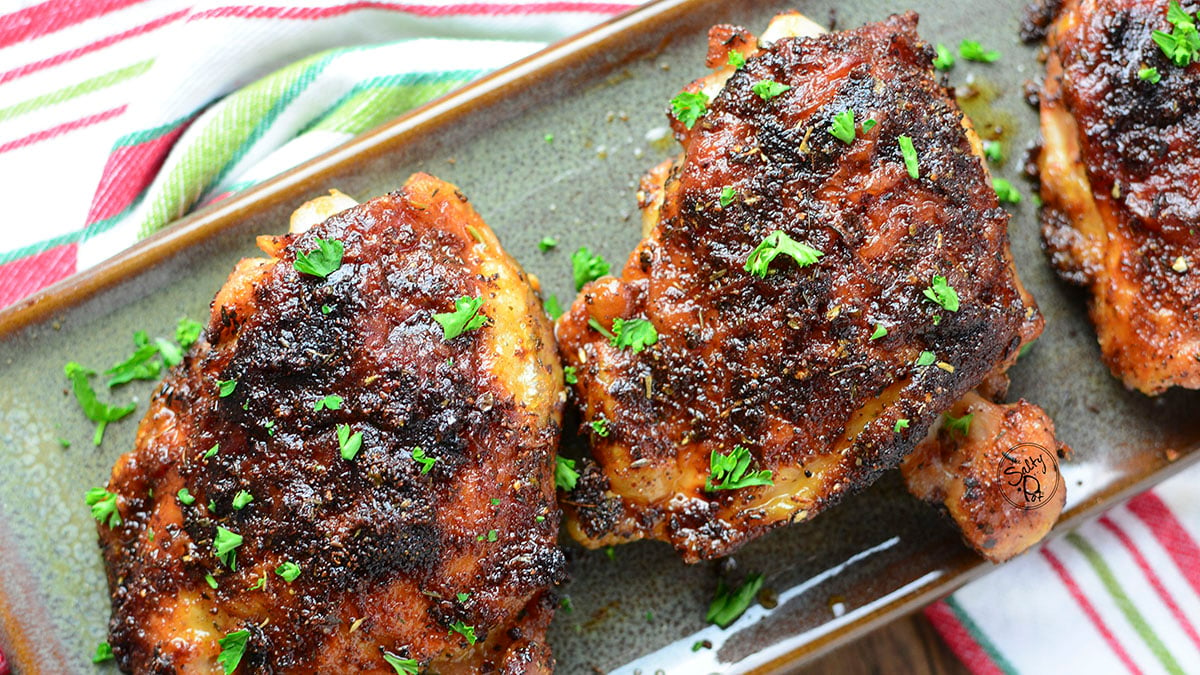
x: 208, y: 579
x: 553, y: 309
x: 225, y: 544
x: 729, y: 604
x: 104, y: 653
x: 495, y: 501
x: 880, y: 331
x: 960, y: 424
x: 586, y: 267
x: 141, y: 365
x: 774, y: 244
x: 96, y: 411
x: 288, y: 570
x: 348, y: 443
x: 233, y: 646
x: 973, y: 51
x: 910, y: 156
x: 944, y: 59
x: 1150, y: 75
x: 549, y: 138
x: 322, y: 261
x: 258, y: 584
x: 325, y: 309
x: 565, y: 475
x: 185, y: 497
x: 1005, y: 192
x: 843, y: 126
x: 926, y: 359
x: 727, y: 195
x: 463, y: 597
x: 701, y: 644
x: 634, y: 334
x: 402, y: 666
x: 687, y: 107
x: 172, y: 355
x: 901, y: 423
x: 994, y: 151
x: 104, y: 506
x: 465, y: 317
x: 331, y: 402
x: 492, y: 535
x: 736, y: 59
x: 464, y: 630
x: 599, y: 427
x: 270, y: 427
x: 241, y: 500
x: 730, y: 471
x: 566, y: 603
x: 868, y: 125
x: 226, y: 387
x: 211, y: 452
x: 942, y: 294
x: 547, y: 243
x: 1182, y: 44
x: 426, y: 462
x: 569, y: 375
x: 187, y: 332
x: 769, y: 89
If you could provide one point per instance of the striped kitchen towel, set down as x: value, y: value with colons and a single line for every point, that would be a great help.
x: 119, y: 116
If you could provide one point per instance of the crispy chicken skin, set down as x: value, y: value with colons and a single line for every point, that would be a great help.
x: 784, y: 365
x: 384, y: 548
x: 1121, y: 185
x: 968, y: 475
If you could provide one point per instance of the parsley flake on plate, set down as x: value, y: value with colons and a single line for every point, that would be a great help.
x: 465, y: 317
x: 769, y: 89
x: 636, y: 334
x: 731, y: 471
x: 1005, y: 192
x: 587, y: 267
x: 226, y: 387
x: 926, y: 359
x: 321, y: 261
x: 211, y: 452
x: 569, y: 375
x: 901, y: 423
x: 141, y: 365
x: 241, y: 500
x: 547, y: 243
x: 687, y: 107
x: 994, y: 151
x: 96, y: 411
x: 727, y: 195
x: 775, y: 244
x: 1150, y: 75
x: 736, y: 59
x: 599, y: 427
x: 348, y: 443
x: 185, y: 497
x: 103, y: 653
x: 553, y: 309
x: 187, y: 332
x: 843, y: 126
x: 730, y: 603
x: 225, y: 544
x: 880, y: 331
x: 944, y: 59
x: 941, y: 293
x: 233, y: 647
x: 565, y: 475
x: 971, y: 50
x: 104, y: 506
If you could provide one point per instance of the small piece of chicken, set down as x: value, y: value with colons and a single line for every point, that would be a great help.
x: 331, y: 478
x: 1120, y: 181
x: 977, y: 463
x: 826, y: 373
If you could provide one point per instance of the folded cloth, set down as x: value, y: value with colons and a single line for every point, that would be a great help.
x: 119, y: 116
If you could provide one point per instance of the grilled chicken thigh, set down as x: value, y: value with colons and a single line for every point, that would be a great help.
x: 1120, y: 180
x: 770, y: 387
x: 335, y: 480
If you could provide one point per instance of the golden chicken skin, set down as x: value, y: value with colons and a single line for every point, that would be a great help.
x: 353, y: 470
x: 1120, y: 180
x: 825, y: 270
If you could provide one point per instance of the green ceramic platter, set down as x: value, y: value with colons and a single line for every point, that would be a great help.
x: 602, y: 96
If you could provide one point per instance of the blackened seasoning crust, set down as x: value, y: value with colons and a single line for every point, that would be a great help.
x: 784, y: 365
x: 384, y: 549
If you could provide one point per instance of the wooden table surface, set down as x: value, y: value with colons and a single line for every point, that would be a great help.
x: 909, y: 645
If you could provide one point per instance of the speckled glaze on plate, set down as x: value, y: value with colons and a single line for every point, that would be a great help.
x: 602, y: 96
